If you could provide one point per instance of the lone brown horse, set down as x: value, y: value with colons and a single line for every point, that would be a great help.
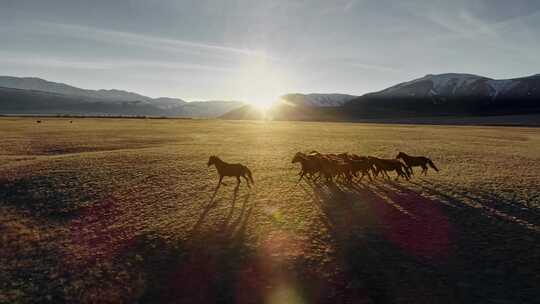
x: 226, y: 169
x: 417, y: 161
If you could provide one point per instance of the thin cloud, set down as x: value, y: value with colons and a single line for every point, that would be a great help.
x: 464, y: 24
x: 73, y: 63
x: 146, y: 41
x: 494, y: 34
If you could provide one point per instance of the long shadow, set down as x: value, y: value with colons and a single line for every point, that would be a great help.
x: 364, y: 225
x: 399, y: 246
x: 491, y: 251
x: 212, y: 204
x: 526, y: 213
x: 227, y: 225
x: 208, y: 267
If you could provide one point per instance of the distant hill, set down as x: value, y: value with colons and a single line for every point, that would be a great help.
x: 38, y: 84
x: 212, y: 108
x: 247, y: 112
x: 431, y: 95
x: 38, y: 96
x: 17, y: 101
x: 451, y: 94
x: 295, y: 106
x: 286, y: 111
x: 318, y: 100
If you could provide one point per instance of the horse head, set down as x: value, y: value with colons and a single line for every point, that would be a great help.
x: 400, y: 155
x: 212, y: 160
x: 297, y: 157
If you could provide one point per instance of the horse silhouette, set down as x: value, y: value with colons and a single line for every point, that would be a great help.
x: 226, y: 169
x: 417, y: 161
x: 383, y: 166
x: 310, y: 166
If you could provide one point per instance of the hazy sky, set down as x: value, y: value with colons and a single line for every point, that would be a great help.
x: 247, y: 49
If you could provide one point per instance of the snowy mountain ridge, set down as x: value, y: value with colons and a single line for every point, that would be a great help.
x: 459, y: 85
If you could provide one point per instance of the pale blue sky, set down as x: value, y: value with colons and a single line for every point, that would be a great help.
x: 247, y: 49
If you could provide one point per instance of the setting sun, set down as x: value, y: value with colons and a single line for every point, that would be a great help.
x: 261, y: 82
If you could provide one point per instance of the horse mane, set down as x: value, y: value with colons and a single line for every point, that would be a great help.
x: 214, y: 158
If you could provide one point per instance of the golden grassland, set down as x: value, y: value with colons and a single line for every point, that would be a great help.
x: 122, y: 210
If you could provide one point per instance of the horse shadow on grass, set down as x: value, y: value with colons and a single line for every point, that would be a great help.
x: 207, y: 267
x: 213, y: 203
x: 396, y: 245
x: 486, y: 200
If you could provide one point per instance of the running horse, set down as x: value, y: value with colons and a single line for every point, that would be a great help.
x: 383, y: 166
x: 226, y: 169
x: 417, y: 161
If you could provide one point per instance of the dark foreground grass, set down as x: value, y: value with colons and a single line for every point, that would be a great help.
x: 106, y: 210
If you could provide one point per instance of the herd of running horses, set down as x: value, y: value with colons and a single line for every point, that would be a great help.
x: 333, y: 167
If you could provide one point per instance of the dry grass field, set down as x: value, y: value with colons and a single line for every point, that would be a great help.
x: 112, y: 210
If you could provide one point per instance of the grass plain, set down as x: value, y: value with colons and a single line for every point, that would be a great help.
x: 124, y: 210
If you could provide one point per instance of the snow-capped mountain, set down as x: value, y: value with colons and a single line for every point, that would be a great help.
x: 451, y: 94
x: 444, y: 86
x: 318, y: 100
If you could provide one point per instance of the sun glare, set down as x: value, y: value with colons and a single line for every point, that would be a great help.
x: 261, y: 82
x: 262, y: 103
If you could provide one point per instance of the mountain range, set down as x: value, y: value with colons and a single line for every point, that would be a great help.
x: 38, y: 96
x: 449, y: 94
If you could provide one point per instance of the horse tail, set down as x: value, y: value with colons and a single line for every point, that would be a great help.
x: 432, y: 165
x: 249, y: 175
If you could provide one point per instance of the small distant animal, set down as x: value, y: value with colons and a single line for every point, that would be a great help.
x: 71, y: 121
x: 38, y: 121
x: 417, y: 161
x: 226, y: 169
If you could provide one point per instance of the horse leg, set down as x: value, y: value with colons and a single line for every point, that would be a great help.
x: 238, y: 181
x: 247, y: 181
x: 404, y: 173
x: 219, y: 182
x: 349, y: 178
x: 424, y: 169
x: 362, y: 176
